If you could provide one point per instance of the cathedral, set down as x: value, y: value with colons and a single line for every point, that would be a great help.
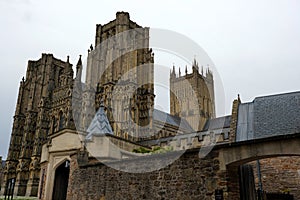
x: 54, y: 110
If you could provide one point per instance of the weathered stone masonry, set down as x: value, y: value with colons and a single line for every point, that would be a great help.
x: 189, y: 177
x: 280, y: 174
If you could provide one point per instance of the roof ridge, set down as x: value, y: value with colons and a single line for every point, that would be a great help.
x: 275, y: 95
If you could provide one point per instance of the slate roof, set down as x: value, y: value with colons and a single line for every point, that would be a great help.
x: 100, y: 124
x: 171, y: 119
x: 269, y: 116
x: 217, y: 123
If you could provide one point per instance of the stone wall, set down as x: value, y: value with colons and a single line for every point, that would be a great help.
x: 234, y: 119
x: 281, y: 174
x: 189, y: 177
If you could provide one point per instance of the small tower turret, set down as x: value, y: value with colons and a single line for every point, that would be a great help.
x: 195, y: 66
x: 69, y: 69
x: 173, y: 73
x: 79, y: 67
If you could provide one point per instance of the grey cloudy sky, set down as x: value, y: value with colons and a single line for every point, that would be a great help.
x: 255, y: 44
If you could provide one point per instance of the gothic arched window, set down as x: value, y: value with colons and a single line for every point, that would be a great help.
x: 53, y: 124
x: 60, y: 77
x: 61, y: 120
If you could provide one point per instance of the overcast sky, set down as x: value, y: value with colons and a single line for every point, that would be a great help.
x: 254, y: 44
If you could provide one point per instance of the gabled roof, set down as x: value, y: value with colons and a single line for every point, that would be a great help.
x: 269, y: 116
x: 99, y: 125
x: 171, y: 119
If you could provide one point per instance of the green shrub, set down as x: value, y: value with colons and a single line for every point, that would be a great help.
x: 154, y: 150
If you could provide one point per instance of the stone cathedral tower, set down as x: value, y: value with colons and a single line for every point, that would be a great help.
x: 120, y: 77
x: 43, y: 109
x: 120, y: 68
x: 195, y: 110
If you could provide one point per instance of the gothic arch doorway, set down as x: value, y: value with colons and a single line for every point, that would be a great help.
x: 61, y: 181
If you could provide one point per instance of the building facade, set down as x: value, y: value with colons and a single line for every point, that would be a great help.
x: 48, y: 128
x: 43, y: 108
x: 120, y: 71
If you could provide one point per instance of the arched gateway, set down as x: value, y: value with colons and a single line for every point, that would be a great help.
x: 61, y: 181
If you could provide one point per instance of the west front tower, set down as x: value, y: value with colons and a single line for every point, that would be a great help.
x: 43, y: 108
x: 120, y: 73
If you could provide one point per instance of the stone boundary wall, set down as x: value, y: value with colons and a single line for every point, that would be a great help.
x: 189, y: 177
x: 280, y: 174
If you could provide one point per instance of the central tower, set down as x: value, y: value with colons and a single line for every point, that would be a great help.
x: 120, y: 67
x: 182, y: 88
